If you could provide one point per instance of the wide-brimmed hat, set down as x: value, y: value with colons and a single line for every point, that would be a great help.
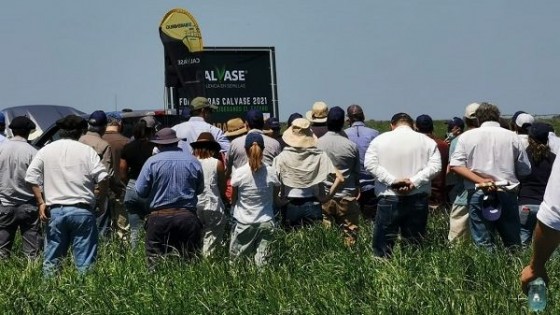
x: 206, y: 140
x: 165, y: 136
x: 318, y: 113
x: 235, y: 127
x: 299, y: 134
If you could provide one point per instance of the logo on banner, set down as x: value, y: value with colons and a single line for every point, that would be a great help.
x: 225, y: 78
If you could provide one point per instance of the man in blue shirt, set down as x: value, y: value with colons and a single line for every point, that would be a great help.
x: 171, y: 180
x: 362, y: 136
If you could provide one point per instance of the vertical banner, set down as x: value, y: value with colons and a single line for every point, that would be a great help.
x: 235, y: 79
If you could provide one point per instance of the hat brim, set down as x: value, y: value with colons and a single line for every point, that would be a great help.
x: 309, y: 116
x: 212, y: 145
x: 165, y: 141
x: 237, y: 132
x: 297, y: 141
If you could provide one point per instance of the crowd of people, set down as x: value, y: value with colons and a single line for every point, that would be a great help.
x: 184, y: 184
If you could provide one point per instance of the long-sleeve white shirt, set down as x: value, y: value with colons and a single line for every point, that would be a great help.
x: 492, y: 151
x: 402, y: 153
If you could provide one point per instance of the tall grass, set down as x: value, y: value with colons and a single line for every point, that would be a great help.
x: 309, y: 272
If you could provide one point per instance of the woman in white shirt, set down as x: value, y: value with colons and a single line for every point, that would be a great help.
x: 255, y: 189
x: 210, y: 208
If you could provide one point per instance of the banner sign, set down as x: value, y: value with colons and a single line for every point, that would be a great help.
x: 234, y: 79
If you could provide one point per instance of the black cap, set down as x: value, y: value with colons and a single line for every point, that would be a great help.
x: 71, y: 122
x: 22, y: 122
x: 424, y: 124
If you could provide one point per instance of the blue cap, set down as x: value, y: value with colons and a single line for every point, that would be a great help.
x: 335, y: 119
x: 539, y: 132
x: 272, y: 123
x: 491, y: 207
x: 455, y: 122
x: 255, y: 119
x: 254, y: 137
x: 114, y: 117
x: 293, y: 117
x: 2, y: 119
x: 424, y: 123
x: 98, y: 118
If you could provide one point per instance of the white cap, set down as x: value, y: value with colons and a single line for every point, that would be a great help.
x: 470, y: 110
x: 523, y: 119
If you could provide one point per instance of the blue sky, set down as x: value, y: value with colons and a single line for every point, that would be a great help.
x: 420, y: 57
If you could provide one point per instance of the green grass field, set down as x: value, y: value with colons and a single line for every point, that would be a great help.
x: 310, y: 272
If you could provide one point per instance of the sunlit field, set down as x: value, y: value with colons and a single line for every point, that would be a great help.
x: 309, y: 272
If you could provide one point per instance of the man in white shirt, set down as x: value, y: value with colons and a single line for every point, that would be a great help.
x: 547, y: 230
x: 485, y: 155
x: 17, y: 205
x: 68, y: 172
x: 403, y: 162
x: 188, y: 131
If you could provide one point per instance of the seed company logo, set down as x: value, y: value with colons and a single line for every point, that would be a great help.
x: 222, y: 75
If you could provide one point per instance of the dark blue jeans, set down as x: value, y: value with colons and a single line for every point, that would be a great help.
x: 507, y: 225
x: 405, y: 214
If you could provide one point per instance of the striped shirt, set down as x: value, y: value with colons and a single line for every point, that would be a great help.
x: 171, y: 179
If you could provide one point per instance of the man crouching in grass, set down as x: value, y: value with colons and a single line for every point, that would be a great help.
x: 171, y: 180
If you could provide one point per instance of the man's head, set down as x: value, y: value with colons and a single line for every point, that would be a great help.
x: 114, y: 121
x: 71, y: 126
x: 355, y: 113
x: 400, y: 119
x: 455, y: 126
x: 21, y: 126
x: 512, y: 125
x: 470, y: 117
x: 424, y: 124
x: 165, y: 138
x: 255, y: 119
x: 272, y: 126
x: 523, y: 122
x: 335, y: 119
x: 487, y: 112
x: 318, y: 113
x: 200, y: 106
x: 97, y: 122
x: 293, y: 117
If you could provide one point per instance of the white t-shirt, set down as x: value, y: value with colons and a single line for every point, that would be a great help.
x: 68, y: 171
x: 255, y: 191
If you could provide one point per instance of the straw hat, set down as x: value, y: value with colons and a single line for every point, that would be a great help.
x: 206, y: 140
x: 318, y: 113
x: 299, y: 134
x: 235, y: 127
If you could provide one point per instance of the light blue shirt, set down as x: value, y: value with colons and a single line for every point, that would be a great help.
x: 362, y: 136
x: 171, y: 179
x: 189, y: 131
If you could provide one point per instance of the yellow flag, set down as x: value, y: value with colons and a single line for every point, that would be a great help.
x: 181, y: 25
